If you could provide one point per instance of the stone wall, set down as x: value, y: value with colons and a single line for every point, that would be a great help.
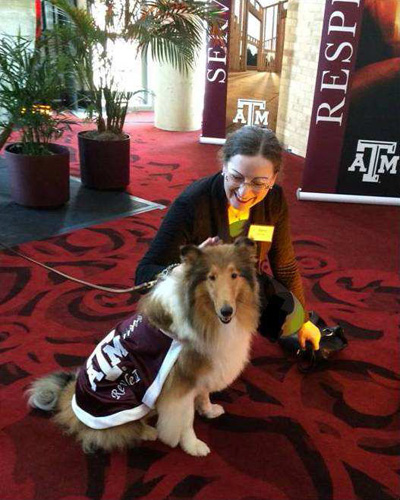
x: 300, y: 60
x: 17, y: 15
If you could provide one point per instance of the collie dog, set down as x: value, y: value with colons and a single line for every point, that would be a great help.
x: 204, y: 314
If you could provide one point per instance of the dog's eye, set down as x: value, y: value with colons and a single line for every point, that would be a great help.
x: 212, y: 277
x: 234, y: 276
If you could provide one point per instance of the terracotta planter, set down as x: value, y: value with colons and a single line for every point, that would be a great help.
x: 104, y: 164
x: 39, y: 181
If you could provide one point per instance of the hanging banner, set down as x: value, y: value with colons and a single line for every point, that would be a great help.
x: 242, y: 83
x: 354, y: 141
x: 216, y: 82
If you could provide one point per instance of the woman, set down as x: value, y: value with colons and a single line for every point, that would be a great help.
x: 243, y: 199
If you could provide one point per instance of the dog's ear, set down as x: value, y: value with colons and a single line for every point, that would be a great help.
x: 190, y: 253
x: 246, y: 244
x: 243, y: 241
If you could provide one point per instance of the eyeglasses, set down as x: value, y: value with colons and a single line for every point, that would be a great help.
x: 256, y: 185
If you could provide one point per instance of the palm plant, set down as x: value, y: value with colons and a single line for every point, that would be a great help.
x: 171, y: 31
x: 30, y: 88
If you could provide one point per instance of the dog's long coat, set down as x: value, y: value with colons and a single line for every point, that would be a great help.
x: 210, y: 308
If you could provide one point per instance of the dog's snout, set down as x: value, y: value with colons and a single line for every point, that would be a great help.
x: 226, y: 311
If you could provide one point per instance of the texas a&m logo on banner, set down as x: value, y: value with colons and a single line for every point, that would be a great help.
x: 374, y: 159
x: 251, y: 112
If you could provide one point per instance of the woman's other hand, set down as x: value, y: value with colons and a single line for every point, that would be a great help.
x: 210, y: 242
x: 309, y: 332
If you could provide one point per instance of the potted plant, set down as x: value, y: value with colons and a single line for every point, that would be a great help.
x: 171, y: 30
x: 30, y: 87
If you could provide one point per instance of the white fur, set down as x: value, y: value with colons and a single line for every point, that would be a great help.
x: 167, y: 293
x: 175, y: 422
x: 227, y: 364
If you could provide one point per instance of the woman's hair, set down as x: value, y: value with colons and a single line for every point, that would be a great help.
x: 253, y: 141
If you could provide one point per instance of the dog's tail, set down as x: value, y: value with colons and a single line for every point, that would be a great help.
x: 44, y: 392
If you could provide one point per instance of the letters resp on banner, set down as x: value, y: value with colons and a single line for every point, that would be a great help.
x: 339, y: 42
x: 353, y: 146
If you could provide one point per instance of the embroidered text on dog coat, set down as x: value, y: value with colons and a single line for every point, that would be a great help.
x: 124, y: 375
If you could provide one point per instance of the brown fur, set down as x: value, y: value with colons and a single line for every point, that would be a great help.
x: 119, y: 437
x: 192, y: 307
x: 159, y: 316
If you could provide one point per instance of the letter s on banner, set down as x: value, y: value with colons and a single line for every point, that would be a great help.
x: 214, y: 113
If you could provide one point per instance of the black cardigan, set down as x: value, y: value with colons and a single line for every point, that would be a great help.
x: 201, y: 211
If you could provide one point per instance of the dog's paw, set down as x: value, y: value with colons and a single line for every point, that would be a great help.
x: 149, y: 433
x: 195, y: 447
x: 212, y: 411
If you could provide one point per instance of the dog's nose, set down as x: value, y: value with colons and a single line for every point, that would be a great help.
x: 226, y: 311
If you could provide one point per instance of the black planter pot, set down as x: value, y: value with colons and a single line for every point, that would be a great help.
x: 39, y: 181
x: 104, y: 164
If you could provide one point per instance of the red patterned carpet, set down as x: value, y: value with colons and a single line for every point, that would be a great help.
x: 330, y: 435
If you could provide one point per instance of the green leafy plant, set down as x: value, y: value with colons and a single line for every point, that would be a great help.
x: 30, y: 88
x: 171, y: 31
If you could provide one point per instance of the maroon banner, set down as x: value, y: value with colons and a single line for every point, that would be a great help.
x: 214, y: 114
x: 370, y: 160
x: 38, y: 14
x: 337, y: 58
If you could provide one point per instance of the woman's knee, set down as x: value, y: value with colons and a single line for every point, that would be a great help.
x: 281, y: 313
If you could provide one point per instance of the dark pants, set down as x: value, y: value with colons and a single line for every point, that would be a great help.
x: 282, y: 314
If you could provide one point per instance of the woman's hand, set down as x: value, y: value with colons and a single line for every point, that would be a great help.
x: 311, y: 333
x: 211, y: 242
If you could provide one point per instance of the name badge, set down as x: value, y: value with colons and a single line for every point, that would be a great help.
x: 261, y: 233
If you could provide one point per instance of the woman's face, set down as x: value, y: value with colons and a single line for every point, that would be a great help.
x: 247, y: 180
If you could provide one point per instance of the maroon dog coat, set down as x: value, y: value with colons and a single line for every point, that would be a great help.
x: 124, y: 375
